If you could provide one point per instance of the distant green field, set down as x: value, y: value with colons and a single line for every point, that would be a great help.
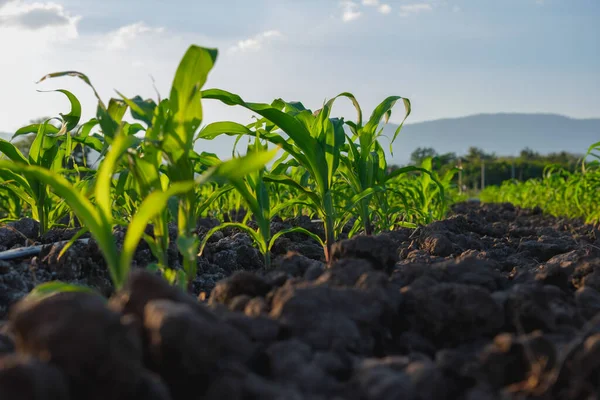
x: 558, y: 192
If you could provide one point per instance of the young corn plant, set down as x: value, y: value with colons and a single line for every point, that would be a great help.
x: 314, y: 142
x: 50, y: 149
x: 365, y: 167
x: 426, y: 193
x: 175, y: 140
x: 145, y: 175
x: 140, y: 179
x: 255, y: 192
x: 172, y: 126
x: 98, y: 217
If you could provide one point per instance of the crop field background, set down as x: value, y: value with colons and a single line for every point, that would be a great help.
x: 310, y: 262
x: 559, y: 192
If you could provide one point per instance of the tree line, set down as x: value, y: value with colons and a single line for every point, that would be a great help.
x: 495, y: 169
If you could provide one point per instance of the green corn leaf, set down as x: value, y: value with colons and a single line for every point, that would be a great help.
x: 404, y: 170
x: 122, y: 182
x: 144, y: 110
x: 106, y: 171
x: 92, y: 142
x: 75, y: 238
x: 141, y: 109
x: 404, y: 224
x: 146, y: 173
x: 13, y: 153
x: 188, y: 248
x: 282, y: 179
x: 298, y: 230
x: 72, y: 118
x: 110, y: 118
x: 290, y: 203
x: 238, y: 168
x: 43, y: 149
x: 407, y: 108
x: 50, y: 288
x: 354, y: 200
x: 85, y: 129
x: 288, y: 147
x: 251, y: 199
x: 293, y: 127
x: 76, y: 74
x: 205, y: 159
x: 184, y: 100
x: 215, y: 129
x: 33, y: 128
x: 383, y: 111
x: 22, y: 191
x: 202, y: 207
x: 131, y: 129
x: 151, y: 242
x: 152, y: 205
x: 334, y: 139
x: 351, y: 97
x: 355, y: 228
x: 251, y: 232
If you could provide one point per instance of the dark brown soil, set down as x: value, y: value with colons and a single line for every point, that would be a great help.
x: 492, y: 303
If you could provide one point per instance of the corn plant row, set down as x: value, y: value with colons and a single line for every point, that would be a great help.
x: 149, y: 175
x: 559, y: 192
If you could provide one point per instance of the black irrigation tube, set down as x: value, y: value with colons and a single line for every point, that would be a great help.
x: 31, y: 250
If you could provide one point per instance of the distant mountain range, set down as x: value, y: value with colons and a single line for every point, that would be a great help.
x: 504, y: 134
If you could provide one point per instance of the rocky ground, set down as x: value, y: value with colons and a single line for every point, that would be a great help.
x: 492, y: 303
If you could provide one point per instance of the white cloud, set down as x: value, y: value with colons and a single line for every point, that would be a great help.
x: 122, y: 37
x: 417, y: 8
x: 384, y: 9
x: 48, y: 17
x: 350, y: 11
x: 456, y: 9
x: 256, y: 42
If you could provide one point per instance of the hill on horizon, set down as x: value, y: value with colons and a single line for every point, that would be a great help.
x: 504, y: 134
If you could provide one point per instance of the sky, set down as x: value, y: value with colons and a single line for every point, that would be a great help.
x: 450, y: 58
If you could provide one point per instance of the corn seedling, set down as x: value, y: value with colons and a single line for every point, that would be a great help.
x: 254, y: 190
x: 314, y: 142
x: 365, y: 164
x: 50, y: 149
